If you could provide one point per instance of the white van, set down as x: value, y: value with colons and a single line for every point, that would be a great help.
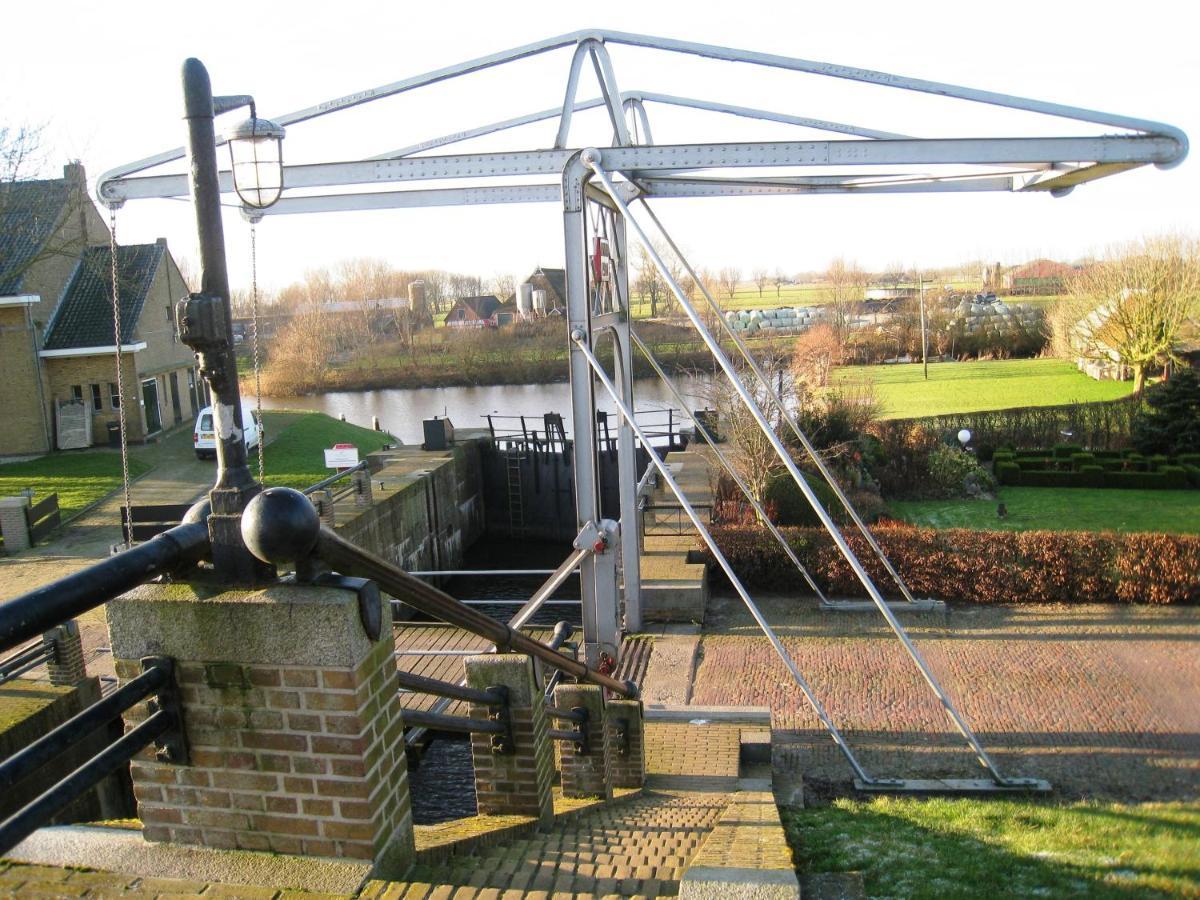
x: 204, y: 436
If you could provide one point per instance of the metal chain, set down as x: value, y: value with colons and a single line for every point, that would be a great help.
x: 262, y: 437
x: 127, y: 518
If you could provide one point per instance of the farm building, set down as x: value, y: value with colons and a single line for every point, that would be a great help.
x: 1042, y: 276
x: 473, y: 312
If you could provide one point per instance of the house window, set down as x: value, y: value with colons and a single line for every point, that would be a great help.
x: 114, y: 397
x: 97, y: 399
x: 77, y: 392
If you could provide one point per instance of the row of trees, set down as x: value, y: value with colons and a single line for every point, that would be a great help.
x: 365, y: 279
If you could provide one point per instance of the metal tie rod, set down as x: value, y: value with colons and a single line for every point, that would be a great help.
x: 591, y: 157
x: 347, y: 558
x: 580, y: 340
x: 727, y: 465
x: 542, y: 595
x: 786, y: 413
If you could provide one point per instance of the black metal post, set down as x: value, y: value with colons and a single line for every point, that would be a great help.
x: 205, y: 325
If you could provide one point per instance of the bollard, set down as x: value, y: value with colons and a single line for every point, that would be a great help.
x: 627, y: 742
x: 517, y: 782
x: 584, y: 774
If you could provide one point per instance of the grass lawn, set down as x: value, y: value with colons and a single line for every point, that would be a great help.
x: 295, y: 458
x: 955, y: 387
x: 1062, y: 509
x: 945, y: 848
x: 81, y: 477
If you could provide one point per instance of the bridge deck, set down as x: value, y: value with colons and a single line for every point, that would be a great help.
x: 439, y: 639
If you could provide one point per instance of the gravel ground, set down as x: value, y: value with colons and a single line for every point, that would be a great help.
x: 1102, y: 701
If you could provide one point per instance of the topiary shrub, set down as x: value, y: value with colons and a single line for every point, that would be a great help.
x: 1169, y: 421
x: 1008, y: 473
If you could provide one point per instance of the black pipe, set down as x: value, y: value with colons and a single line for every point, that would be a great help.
x: 38, y: 812
x: 425, y: 685
x: 43, y: 608
x: 76, y: 728
x: 19, y: 662
x: 348, y: 559
x: 578, y: 716
x: 558, y: 734
x: 440, y: 722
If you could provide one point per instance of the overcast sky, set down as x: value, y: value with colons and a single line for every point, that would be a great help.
x: 103, y: 78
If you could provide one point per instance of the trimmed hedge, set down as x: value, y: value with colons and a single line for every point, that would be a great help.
x: 979, y: 566
x: 1067, y: 466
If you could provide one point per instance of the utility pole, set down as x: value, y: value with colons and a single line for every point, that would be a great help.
x: 924, y: 341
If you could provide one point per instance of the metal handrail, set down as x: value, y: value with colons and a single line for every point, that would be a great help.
x: 24, y: 660
x: 337, y: 476
x: 345, y: 557
x: 460, y: 724
x: 165, y: 719
x: 45, y: 607
x: 422, y: 685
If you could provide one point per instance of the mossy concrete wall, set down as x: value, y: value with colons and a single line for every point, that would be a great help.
x: 427, y: 509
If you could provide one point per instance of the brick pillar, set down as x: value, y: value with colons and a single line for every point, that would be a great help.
x: 323, y: 502
x: 516, y: 783
x: 628, y: 752
x: 584, y: 774
x: 292, y: 718
x: 66, y: 667
x: 362, y: 488
x: 14, y: 525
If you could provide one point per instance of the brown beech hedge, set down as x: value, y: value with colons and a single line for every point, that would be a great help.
x: 979, y: 566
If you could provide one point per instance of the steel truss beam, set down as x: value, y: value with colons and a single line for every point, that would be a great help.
x: 592, y: 159
x: 662, y: 159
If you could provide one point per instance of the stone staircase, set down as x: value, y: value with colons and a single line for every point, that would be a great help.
x: 636, y: 847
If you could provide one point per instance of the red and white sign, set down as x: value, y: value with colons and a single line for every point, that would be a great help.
x: 341, y: 456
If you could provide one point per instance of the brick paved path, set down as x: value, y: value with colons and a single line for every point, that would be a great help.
x: 1102, y: 701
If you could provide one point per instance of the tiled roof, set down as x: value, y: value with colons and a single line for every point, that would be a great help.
x: 84, y: 317
x: 475, y: 308
x: 557, y: 279
x: 29, y: 211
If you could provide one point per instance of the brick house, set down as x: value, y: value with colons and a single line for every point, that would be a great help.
x: 57, y: 362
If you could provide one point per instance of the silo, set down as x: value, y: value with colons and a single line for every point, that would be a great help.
x: 525, y: 299
x: 539, y: 300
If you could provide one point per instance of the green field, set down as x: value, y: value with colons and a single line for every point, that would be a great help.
x: 80, y: 477
x: 1062, y: 509
x: 951, y: 848
x: 955, y: 387
x: 296, y: 459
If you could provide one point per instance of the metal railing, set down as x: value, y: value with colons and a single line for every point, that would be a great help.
x: 325, y: 483
x: 27, y: 658
x: 663, y: 426
x: 498, y: 723
x: 38, y: 611
x: 668, y: 519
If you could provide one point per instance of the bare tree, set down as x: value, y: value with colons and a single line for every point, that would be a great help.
x: 778, y: 279
x: 503, y: 286
x: 751, y: 452
x: 845, y: 284
x: 1131, y: 306
x: 728, y: 279
x: 25, y: 206
x: 760, y: 280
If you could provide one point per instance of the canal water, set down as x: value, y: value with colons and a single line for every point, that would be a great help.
x: 443, y: 780
x: 401, y: 410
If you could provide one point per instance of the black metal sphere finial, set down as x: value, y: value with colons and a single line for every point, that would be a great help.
x: 280, y: 525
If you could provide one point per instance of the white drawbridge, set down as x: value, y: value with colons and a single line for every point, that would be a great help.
x: 606, y: 191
